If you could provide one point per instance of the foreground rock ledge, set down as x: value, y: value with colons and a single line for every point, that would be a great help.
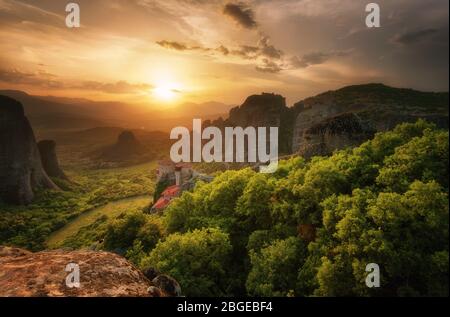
x: 23, y: 273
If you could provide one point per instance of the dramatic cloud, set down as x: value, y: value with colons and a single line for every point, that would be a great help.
x: 178, y: 46
x: 241, y: 14
x: 173, y: 45
x: 269, y: 66
x: 246, y: 51
x: 269, y: 50
x: 41, y: 79
x: 266, y: 57
x: 414, y: 37
x: 47, y: 80
x: 225, y: 49
x: 315, y: 58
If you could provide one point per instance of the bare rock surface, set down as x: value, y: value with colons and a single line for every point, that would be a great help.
x: 24, y: 273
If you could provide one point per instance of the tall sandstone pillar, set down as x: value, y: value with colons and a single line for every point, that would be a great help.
x: 21, y: 170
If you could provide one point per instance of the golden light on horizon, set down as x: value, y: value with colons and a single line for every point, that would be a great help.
x: 165, y: 92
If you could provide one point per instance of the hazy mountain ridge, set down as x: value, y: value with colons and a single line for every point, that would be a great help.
x: 314, y: 126
x: 62, y: 113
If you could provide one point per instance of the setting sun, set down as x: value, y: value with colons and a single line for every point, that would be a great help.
x: 165, y: 92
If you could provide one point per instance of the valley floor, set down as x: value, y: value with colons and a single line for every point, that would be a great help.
x: 111, y: 210
x: 56, y: 215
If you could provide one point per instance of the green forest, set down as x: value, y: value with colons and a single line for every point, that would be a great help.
x: 309, y: 229
x: 385, y: 202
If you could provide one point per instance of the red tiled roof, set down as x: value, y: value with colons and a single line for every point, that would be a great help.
x: 171, y: 191
x: 161, y: 203
x: 166, y: 196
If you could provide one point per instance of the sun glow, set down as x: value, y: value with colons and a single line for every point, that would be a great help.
x: 166, y: 92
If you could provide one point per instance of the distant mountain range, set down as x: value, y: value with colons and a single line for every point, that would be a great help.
x: 60, y: 113
x: 314, y: 126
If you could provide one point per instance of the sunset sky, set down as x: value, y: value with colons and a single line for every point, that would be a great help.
x: 160, y: 51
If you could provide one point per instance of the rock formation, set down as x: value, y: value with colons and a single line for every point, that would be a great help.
x: 334, y: 133
x: 265, y: 110
x: 23, y: 273
x: 49, y: 159
x: 126, y: 148
x: 20, y: 165
x: 168, y: 284
x: 258, y: 110
x: 337, y: 119
x: 349, y: 116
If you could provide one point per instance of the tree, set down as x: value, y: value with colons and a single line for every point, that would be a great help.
x: 423, y: 158
x: 274, y: 269
x: 254, y: 204
x: 198, y: 260
x: 405, y: 234
x: 121, y: 233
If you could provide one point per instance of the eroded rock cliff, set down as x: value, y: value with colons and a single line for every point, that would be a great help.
x: 265, y: 110
x: 21, y: 170
x: 126, y: 148
x: 337, y: 119
x: 47, y: 150
x: 351, y: 115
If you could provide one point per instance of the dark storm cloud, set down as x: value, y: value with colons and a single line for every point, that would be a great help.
x: 241, y: 14
x: 414, y: 37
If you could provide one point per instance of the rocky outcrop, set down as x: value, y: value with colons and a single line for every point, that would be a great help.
x: 265, y: 110
x: 259, y: 110
x: 337, y: 119
x: 21, y: 170
x: 126, y: 148
x: 23, y: 273
x: 49, y: 159
x: 168, y: 284
x: 349, y: 116
x: 334, y: 133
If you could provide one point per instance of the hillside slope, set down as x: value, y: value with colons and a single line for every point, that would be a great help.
x: 336, y: 119
x: 323, y: 123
